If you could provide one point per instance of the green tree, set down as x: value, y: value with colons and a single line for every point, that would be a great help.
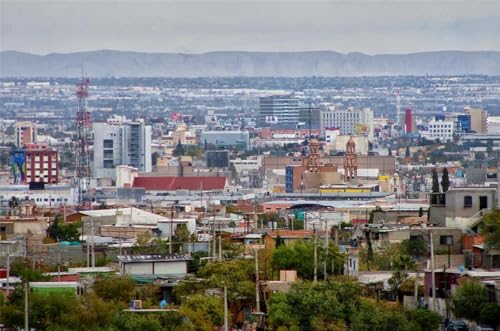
x: 315, y: 306
x: 179, y: 150
x: 237, y: 275
x: 415, y: 248
x: 114, y: 288
x: 490, y: 228
x: 164, y: 321
x: 382, y: 258
x: 146, y: 243
x: 205, y: 312
x: 372, y: 317
x: 490, y: 314
x: 468, y: 300
x: 400, y: 276
x: 425, y: 319
x: 181, y: 236
x: 435, y: 181
x: 445, y: 180
x: 300, y: 256
x: 63, y: 231
x: 23, y: 268
x: 4, y: 159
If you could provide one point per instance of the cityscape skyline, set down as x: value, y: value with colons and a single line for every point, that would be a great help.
x: 193, y: 27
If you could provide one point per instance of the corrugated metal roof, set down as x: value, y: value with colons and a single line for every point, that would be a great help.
x: 154, y: 258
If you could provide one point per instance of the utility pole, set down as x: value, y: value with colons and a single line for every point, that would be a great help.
x: 416, y: 287
x: 120, y: 246
x: 93, y: 244
x: 433, y: 284
x: 171, y: 229
x: 26, y: 305
x: 59, y: 264
x: 315, y: 255
x: 8, y: 269
x: 325, y: 273
x: 87, y: 243
x: 226, y: 326
x: 220, y: 248
x: 214, y: 236
x: 257, y: 294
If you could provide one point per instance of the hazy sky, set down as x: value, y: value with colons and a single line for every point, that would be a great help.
x: 189, y: 26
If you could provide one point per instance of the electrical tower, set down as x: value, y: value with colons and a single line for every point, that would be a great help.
x: 398, y: 109
x: 82, y: 155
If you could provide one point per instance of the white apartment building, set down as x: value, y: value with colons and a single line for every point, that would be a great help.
x: 249, y: 164
x: 26, y: 133
x: 350, y: 121
x: 121, y: 143
x: 442, y: 130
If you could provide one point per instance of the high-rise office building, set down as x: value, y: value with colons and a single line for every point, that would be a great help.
x: 278, y: 111
x: 121, y: 143
x: 350, y: 121
x: 479, y: 119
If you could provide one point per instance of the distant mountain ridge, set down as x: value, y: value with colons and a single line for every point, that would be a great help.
x: 108, y: 63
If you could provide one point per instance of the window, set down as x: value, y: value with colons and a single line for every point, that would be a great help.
x: 108, y: 164
x: 107, y: 143
x: 467, y: 201
x: 446, y: 240
x: 108, y: 154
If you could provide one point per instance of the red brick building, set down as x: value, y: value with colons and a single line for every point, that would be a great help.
x: 42, y: 164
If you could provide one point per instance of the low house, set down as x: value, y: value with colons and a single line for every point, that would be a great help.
x: 10, y: 226
x: 158, y: 264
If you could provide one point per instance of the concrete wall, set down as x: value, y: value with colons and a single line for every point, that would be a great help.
x: 437, y: 215
x: 124, y: 231
x: 455, y: 260
x: 393, y: 216
x: 456, y: 247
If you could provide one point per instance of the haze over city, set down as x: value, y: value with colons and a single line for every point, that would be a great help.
x: 372, y: 27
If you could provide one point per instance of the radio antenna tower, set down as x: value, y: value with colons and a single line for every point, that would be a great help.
x: 398, y: 108
x: 82, y: 155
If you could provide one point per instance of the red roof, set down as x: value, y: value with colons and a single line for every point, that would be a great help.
x: 180, y: 183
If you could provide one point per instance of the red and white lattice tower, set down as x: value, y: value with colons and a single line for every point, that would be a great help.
x: 82, y: 141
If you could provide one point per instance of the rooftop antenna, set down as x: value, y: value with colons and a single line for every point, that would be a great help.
x: 310, y: 120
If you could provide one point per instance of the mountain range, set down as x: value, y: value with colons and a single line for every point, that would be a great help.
x: 110, y: 63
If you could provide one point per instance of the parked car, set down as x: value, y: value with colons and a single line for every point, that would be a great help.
x: 457, y: 326
x: 484, y: 328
